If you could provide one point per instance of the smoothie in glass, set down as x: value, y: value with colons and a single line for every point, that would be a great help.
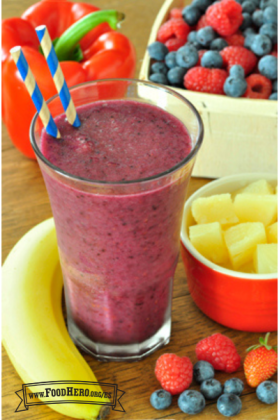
x: 119, y: 243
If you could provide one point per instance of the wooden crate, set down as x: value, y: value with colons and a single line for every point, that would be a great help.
x: 240, y: 134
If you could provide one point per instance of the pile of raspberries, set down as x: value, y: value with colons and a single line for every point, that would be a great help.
x: 226, y: 47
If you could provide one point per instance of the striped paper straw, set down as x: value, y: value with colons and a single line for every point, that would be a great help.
x: 58, y: 76
x: 34, y: 92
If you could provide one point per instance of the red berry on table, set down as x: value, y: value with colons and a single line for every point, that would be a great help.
x: 236, y: 40
x: 202, y: 23
x: 260, y: 364
x: 239, y: 55
x: 258, y: 87
x: 174, y: 373
x: 220, y: 351
x: 173, y: 44
x: 174, y: 28
x: 201, y: 79
x: 225, y: 17
x: 176, y: 12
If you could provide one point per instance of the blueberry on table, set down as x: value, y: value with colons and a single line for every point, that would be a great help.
x: 218, y: 44
x: 248, y: 6
x: 157, y: 50
x: 274, y: 86
x: 159, y: 78
x: 191, y: 402
x: 235, y: 86
x: 191, y: 15
x: 202, y: 4
x: 237, y: 71
x: 270, y: 30
x: 247, y: 21
x: 212, y: 60
x: 248, y: 40
x: 211, y: 389
x: 261, y: 45
x: 159, y: 67
x: 267, y: 392
x: 170, y: 59
x: 233, y: 386
x: 202, y: 371
x: 270, y: 14
x: 229, y: 405
x: 187, y: 56
x: 205, y: 36
x: 248, y: 31
x: 176, y: 76
x: 268, y: 66
x: 273, y: 96
x: 160, y: 399
x: 257, y: 18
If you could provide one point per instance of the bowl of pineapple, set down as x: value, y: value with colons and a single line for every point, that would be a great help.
x: 229, y: 250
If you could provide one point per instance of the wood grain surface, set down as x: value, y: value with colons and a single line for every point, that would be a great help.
x: 25, y: 203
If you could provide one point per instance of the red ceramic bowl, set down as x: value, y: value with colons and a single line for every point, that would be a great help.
x: 246, y: 302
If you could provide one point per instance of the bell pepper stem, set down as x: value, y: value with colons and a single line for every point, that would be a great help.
x: 66, y: 43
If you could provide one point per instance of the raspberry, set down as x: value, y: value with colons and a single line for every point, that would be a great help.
x: 225, y: 17
x: 174, y: 373
x: 173, y: 44
x: 236, y: 40
x: 239, y: 55
x: 174, y: 28
x: 259, y: 87
x: 220, y: 351
x: 202, y: 23
x: 176, y: 13
x: 201, y: 79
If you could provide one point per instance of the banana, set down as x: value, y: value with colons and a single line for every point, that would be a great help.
x: 34, y: 333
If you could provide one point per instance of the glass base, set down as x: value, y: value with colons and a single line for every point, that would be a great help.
x: 123, y: 352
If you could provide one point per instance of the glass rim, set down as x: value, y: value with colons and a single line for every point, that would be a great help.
x: 179, y: 165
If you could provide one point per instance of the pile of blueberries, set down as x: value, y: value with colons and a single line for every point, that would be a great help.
x: 228, y: 403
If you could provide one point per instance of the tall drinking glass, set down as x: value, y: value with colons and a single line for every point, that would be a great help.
x: 119, y: 241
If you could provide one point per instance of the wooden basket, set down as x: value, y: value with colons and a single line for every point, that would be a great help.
x: 240, y: 134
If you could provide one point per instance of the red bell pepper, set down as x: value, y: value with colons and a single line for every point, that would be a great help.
x: 87, y: 47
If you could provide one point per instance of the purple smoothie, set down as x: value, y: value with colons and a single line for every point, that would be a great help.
x: 118, y: 251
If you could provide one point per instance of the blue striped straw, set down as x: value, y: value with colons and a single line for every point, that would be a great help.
x: 34, y: 92
x: 57, y: 75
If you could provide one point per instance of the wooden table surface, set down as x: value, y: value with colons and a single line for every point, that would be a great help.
x: 25, y: 203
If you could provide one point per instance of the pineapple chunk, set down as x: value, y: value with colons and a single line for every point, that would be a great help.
x: 261, y: 187
x: 272, y: 233
x: 265, y: 259
x: 241, y: 241
x: 217, y: 208
x: 208, y: 240
x: 256, y: 208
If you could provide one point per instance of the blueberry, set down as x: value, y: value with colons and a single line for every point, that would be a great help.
x: 266, y: 3
x: 261, y: 45
x: 233, y: 386
x: 211, y: 389
x: 257, y: 18
x: 247, y: 21
x: 248, y: 7
x: 212, y: 59
x: 248, y: 40
x: 202, y: 4
x: 159, y: 68
x: 160, y: 399
x: 237, y: 71
x: 170, y: 59
x: 192, y: 39
x: 191, y: 402
x: 235, y: 86
x: 157, y: 50
x: 274, y: 86
x: 248, y: 31
x: 273, y: 97
x: 268, y: 67
x: 191, y: 15
x: 257, y: 2
x: 205, y: 36
x: 187, y: 56
x: 176, y: 76
x: 240, y: 1
x: 203, y: 370
x: 229, y: 405
x: 270, y: 14
x: 159, y: 78
x: 267, y: 391
x: 218, y: 44
x: 270, y: 30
